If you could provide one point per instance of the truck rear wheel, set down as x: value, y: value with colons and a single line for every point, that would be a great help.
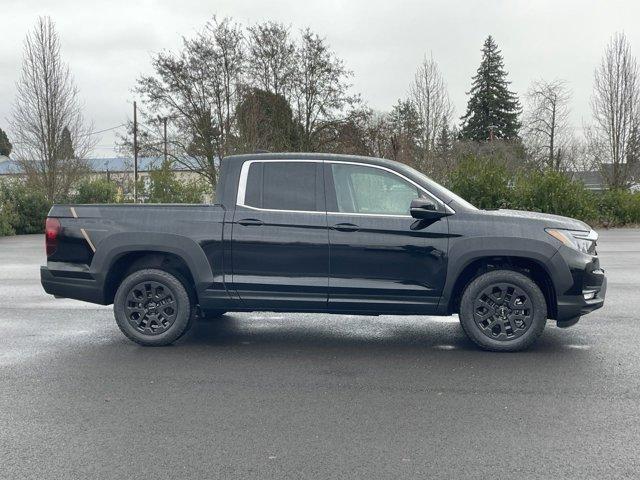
x: 153, y: 307
x: 503, y: 310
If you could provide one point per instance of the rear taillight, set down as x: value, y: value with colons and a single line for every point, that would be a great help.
x: 51, y: 233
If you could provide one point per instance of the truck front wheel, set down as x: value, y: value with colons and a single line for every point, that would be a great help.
x: 153, y: 307
x: 503, y: 310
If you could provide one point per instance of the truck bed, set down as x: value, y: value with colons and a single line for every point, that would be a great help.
x: 93, y: 237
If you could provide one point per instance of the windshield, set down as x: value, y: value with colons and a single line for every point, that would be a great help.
x: 440, y: 191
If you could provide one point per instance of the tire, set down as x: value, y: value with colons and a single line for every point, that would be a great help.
x: 503, y: 311
x: 153, y: 307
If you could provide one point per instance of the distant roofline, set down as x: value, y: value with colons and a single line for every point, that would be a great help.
x: 9, y: 167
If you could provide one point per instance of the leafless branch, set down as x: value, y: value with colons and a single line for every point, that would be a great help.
x: 547, y: 131
x: 616, y: 111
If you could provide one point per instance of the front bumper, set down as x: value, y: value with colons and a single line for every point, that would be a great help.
x: 587, y: 291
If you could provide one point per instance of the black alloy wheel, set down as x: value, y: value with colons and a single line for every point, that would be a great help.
x: 503, y: 310
x: 151, y: 307
x: 154, y: 307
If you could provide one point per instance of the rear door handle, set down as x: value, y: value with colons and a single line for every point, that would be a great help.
x: 346, y: 227
x: 251, y: 222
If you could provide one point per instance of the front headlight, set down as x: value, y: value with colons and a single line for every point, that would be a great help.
x: 580, y: 240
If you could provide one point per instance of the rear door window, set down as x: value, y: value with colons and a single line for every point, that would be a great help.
x: 293, y: 186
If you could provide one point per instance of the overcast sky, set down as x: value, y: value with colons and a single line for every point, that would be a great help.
x: 109, y: 43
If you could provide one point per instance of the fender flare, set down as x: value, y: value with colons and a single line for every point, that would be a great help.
x: 115, y: 246
x: 465, y: 251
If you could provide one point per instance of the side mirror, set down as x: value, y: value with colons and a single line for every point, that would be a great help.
x: 425, y: 209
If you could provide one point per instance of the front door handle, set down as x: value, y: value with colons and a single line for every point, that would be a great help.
x: 251, y: 222
x: 346, y: 227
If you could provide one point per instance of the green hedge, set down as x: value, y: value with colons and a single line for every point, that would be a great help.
x: 7, y: 216
x: 24, y: 209
x: 165, y: 187
x: 99, y: 190
x: 618, y: 207
x: 487, y: 183
x: 484, y: 183
x: 553, y: 192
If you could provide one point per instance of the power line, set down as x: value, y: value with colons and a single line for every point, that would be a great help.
x: 102, y: 131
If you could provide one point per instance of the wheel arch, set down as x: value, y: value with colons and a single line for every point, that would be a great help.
x: 175, y: 253
x: 526, y: 265
x: 133, y: 261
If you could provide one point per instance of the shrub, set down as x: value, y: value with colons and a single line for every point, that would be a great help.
x: 486, y: 183
x: 482, y: 181
x: 99, y: 190
x: 618, y: 207
x: 30, y: 207
x: 554, y: 192
x: 165, y: 187
x: 6, y: 219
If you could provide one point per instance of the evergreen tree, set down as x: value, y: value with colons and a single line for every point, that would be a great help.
x: 405, y: 125
x: 65, y: 146
x: 444, y: 139
x: 5, y: 144
x: 405, y: 120
x: 492, y: 107
x: 633, y: 147
x: 265, y: 122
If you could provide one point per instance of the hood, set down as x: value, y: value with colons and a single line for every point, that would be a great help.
x: 554, y: 221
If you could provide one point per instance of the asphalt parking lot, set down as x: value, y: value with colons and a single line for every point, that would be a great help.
x: 268, y: 395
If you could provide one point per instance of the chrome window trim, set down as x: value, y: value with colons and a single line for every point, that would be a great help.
x: 244, y: 173
x: 389, y: 215
x: 281, y: 211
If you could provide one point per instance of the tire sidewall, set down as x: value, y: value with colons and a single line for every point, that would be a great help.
x: 503, y: 276
x: 183, y: 305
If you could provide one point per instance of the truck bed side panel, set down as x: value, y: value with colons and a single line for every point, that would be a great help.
x: 94, y: 237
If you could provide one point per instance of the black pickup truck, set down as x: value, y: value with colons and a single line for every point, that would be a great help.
x: 325, y: 233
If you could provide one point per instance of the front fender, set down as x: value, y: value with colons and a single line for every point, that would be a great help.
x: 463, y: 251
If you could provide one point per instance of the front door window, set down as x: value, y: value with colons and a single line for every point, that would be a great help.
x: 367, y: 190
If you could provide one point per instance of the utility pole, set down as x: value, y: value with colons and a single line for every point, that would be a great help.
x: 135, y: 153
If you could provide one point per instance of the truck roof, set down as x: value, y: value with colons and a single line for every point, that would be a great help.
x: 312, y: 156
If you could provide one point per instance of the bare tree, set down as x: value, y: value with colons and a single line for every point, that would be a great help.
x: 320, y: 91
x: 616, y: 111
x: 52, y: 138
x: 429, y: 95
x: 547, y: 130
x: 271, y: 53
x: 197, y: 89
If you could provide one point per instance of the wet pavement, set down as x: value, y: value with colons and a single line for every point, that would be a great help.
x: 267, y: 395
